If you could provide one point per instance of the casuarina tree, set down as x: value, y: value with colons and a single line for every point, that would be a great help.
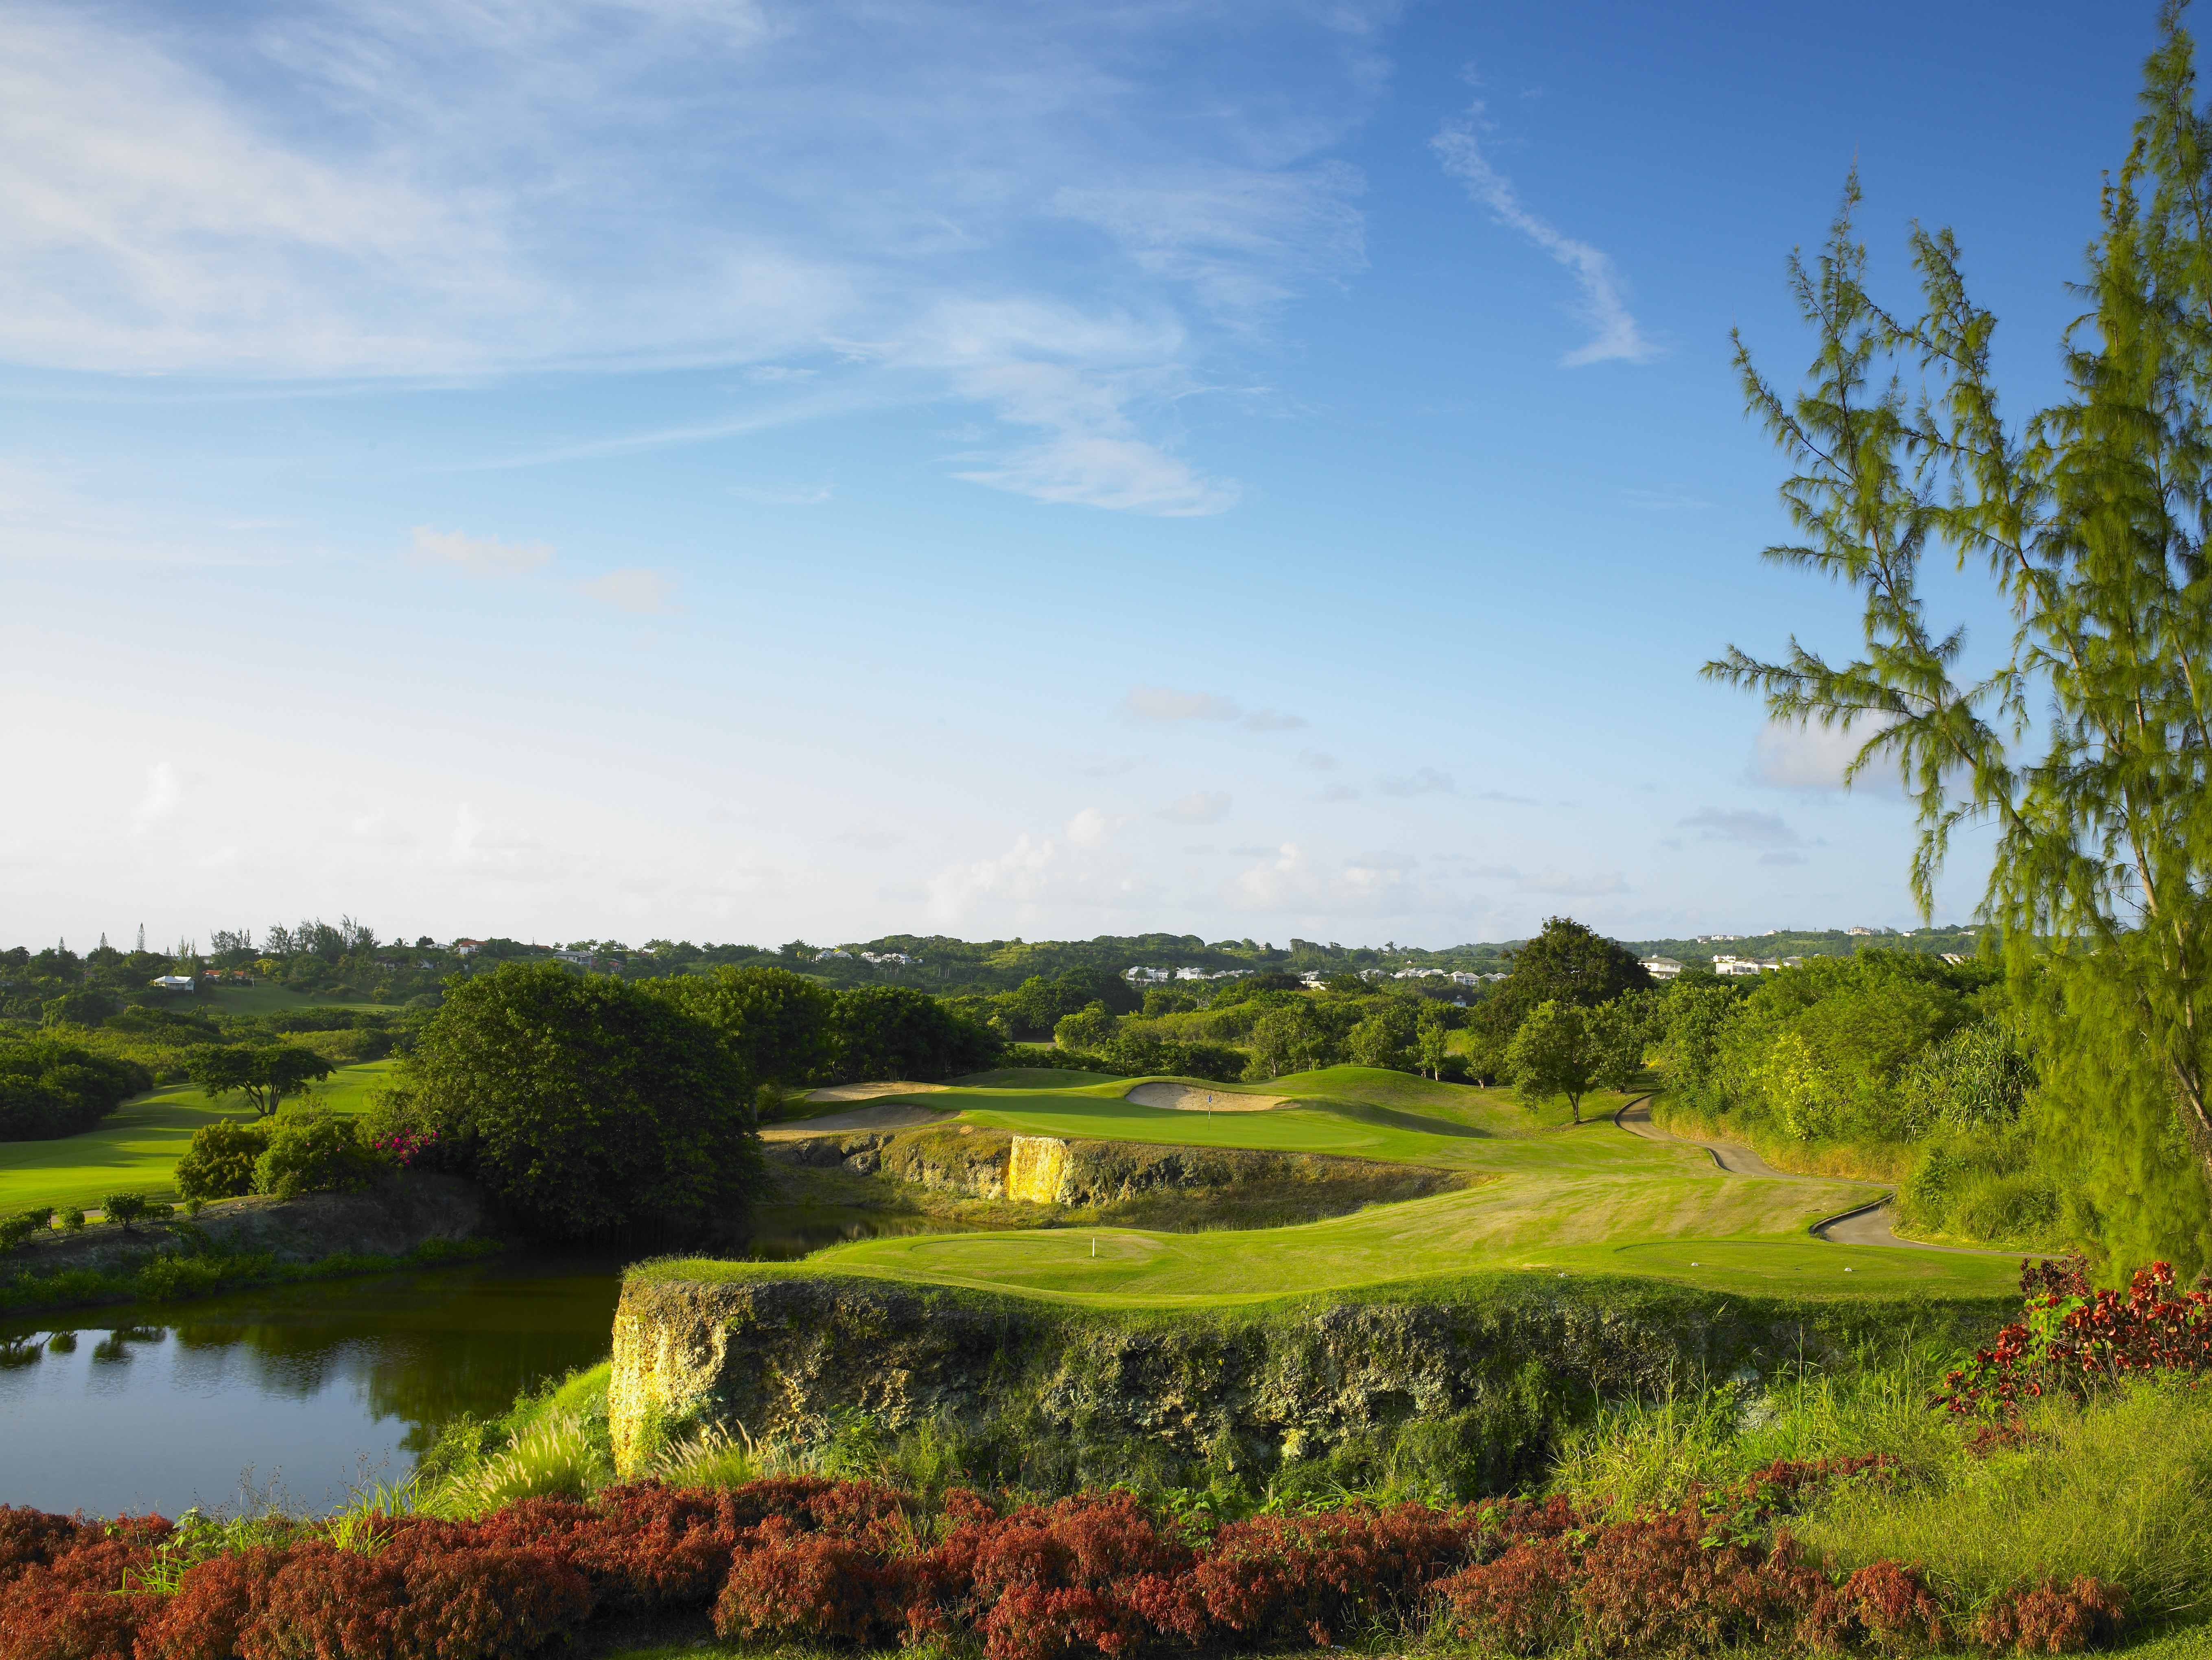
x: 2085, y: 746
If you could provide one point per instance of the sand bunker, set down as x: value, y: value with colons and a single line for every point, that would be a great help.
x: 890, y: 1116
x: 869, y: 1091
x: 1181, y: 1098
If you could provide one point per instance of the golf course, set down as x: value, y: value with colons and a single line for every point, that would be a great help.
x: 1552, y: 1198
x: 137, y: 1149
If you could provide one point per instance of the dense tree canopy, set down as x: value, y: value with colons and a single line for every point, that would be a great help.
x: 893, y: 1031
x: 588, y: 1106
x: 50, y: 1088
x: 775, y: 1022
x: 265, y: 1075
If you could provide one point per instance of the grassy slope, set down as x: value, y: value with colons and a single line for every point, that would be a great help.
x: 264, y: 998
x: 1566, y: 1201
x: 137, y: 1149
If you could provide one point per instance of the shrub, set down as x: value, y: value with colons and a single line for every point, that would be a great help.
x: 319, y: 1152
x: 72, y: 1217
x: 2045, y: 1620
x: 2072, y: 1339
x: 126, y: 1207
x: 424, y: 1596
x: 219, y: 1163
x: 1287, y: 1579
x: 49, y: 1088
x: 794, y: 1586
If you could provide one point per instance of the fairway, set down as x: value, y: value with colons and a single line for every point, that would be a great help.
x: 136, y: 1148
x: 1563, y: 1200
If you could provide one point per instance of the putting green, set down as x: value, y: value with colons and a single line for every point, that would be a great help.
x: 1555, y: 1199
x: 136, y: 1149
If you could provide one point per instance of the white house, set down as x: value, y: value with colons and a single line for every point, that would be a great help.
x: 1659, y: 968
x: 173, y: 982
x: 1141, y: 976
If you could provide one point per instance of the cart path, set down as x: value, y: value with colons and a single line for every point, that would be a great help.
x: 1869, y: 1225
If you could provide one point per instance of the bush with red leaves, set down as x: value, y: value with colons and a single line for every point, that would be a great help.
x: 33, y: 1538
x: 71, y: 1607
x: 2072, y: 1339
x: 2045, y: 1620
x: 1892, y: 1605
x: 211, y: 1608
x: 1284, y: 1578
x: 427, y: 1595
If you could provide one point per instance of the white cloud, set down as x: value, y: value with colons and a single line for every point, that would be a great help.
x: 641, y: 593
x: 783, y: 496
x: 1198, y: 807
x: 479, y: 556
x: 347, y: 188
x: 165, y: 793
x: 1616, y: 335
x: 1316, y: 760
x: 1091, y: 828
x: 1565, y: 885
x: 1744, y: 826
x: 1165, y: 703
x: 1339, y: 793
x: 1424, y: 781
x: 1787, y: 756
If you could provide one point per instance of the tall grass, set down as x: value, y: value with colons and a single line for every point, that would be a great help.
x: 2120, y: 1489
x: 1656, y: 1451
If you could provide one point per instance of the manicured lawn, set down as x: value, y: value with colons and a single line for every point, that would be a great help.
x: 264, y: 999
x: 137, y: 1149
x: 1560, y: 1200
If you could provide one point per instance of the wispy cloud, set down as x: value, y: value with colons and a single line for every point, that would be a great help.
x: 478, y: 556
x: 1745, y: 826
x: 1198, y: 807
x: 1166, y: 705
x: 912, y: 205
x: 1616, y: 337
x: 640, y: 593
x: 1425, y: 781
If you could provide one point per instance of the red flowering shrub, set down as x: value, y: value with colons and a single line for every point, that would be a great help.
x: 2044, y: 1619
x: 2070, y: 1339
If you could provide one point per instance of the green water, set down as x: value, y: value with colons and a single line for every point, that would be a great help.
x: 295, y: 1395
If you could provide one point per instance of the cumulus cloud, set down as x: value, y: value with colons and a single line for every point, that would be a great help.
x: 478, y: 556
x: 1425, y: 781
x: 1615, y: 336
x: 1198, y: 807
x: 639, y: 592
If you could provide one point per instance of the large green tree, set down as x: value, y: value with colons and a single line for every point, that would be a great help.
x: 265, y: 1075
x: 1567, y: 964
x: 777, y: 1023
x: 2085, y: 747
x: 1552, y: 1055
x: 895, y: 1031
x: 588, y: 1106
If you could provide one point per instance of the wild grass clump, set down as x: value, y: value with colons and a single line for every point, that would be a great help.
x: 2119, y: 1489
x: 1660, y: 1451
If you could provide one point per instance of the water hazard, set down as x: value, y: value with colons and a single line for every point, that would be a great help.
x: 298, y: 1393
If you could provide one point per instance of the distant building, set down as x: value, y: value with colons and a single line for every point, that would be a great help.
x: 1953, y: 957
x: 833, y: 954
x: 1141, y: 976
x: 886, y: 956
x: 1862, y: 933
x: 467, y: 947
x: 1659, y: 968
x: 173, y: 982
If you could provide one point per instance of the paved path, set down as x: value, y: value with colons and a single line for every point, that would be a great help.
x: 1869, y: 1224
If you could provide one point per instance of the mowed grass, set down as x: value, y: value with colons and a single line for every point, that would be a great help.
x: 1558, y: 1200
x: 136, y: 1149
x: 264, y: 999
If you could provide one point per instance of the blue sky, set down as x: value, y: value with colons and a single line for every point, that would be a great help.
x: 650, y: 467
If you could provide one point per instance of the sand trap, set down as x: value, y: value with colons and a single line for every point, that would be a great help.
x: 1181, y: 1098
x: 891, y: 1116
x: 869, y: 1091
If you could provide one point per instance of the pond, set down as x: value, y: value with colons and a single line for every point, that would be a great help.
x: 295, y: 1395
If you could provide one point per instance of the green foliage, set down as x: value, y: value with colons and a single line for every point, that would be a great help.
x: 1974, y: 1079
x: 2089, y: 519
x: 86, y: 1008
x: 316, y: 1153
x: 50, y: 1088
x: 1090, y: 1027
x: 586, y: 1105
x: 777, y: 1022
x: 894, y: 1032
x: 266, y: 1076
x: 1387, y: 1038
x: 219, y: 1163
x: 1552, y: 1055
x: 126, y: 1207
x: 2120, y: 1490
x: 1565, y: 963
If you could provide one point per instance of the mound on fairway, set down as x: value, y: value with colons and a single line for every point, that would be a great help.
x: 1189, y: 1097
